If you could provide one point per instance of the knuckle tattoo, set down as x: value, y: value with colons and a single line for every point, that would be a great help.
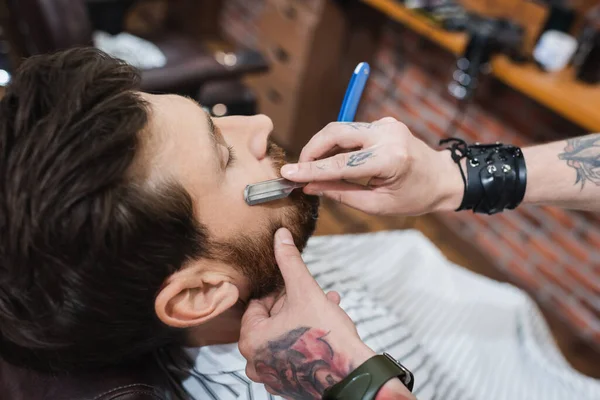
x: 321, y: 166
x: 360, y: 158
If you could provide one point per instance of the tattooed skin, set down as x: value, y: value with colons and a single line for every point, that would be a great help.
x: 360, y: 125
x: 359, y: 159
x: 583, y: 155
x: 301, y: 364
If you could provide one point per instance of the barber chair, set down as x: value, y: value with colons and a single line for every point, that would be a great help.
x: 142, y: 381
x: 42, y: 26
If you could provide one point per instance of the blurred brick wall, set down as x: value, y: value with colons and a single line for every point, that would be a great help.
x: 551, y: 253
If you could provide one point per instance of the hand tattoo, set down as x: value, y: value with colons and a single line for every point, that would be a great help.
x: 301, y: 364
x: 359, y: 159
x: 360, y: 125
x: 583, y: 154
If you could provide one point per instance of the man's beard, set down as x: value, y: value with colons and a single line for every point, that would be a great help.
x: 254, y: 255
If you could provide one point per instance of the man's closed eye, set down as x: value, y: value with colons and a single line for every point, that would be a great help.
x: 231, y: 158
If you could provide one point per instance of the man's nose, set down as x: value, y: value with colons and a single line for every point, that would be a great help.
x: 259, y: 137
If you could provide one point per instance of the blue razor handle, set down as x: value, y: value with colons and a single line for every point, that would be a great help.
x: 354, y: 92
x: 276, y: 189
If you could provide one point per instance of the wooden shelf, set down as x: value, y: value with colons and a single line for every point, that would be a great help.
x: 453, y: 42
x: 559, y: 91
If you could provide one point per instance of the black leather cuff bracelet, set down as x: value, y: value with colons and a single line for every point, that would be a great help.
x: 496, y: 177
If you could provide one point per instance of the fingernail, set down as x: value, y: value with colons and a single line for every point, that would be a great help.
x: 289, y: 169
x: 284, y: 236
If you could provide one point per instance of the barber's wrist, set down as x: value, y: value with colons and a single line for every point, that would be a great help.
x: 361, y: 354
x: 394, y: 389
x: 548, y: 179
x: 534, y: 193
x: 449, y: 184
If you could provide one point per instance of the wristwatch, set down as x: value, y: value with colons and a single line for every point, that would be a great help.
x: 365, y: 381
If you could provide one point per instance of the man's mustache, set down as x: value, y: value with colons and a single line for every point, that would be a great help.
x: 276, y: 154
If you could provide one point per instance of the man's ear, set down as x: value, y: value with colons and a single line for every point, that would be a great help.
x: 194, y: 296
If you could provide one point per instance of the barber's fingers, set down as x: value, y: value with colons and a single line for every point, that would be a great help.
x: 257, y: 311
x: 272, y: 391
x: 251, y: 373
x: 278, y: 305
x: 334, y: 297
x: 355, y: 196
x: 335, y: 134
x: 256, y: 314
x: 343, y: 135
x: 299, y: 283
x: 366, y: 163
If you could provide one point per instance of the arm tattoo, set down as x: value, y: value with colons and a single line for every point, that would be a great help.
x: 301, y: 364
x: 583, y: 155
x: 359, y: 158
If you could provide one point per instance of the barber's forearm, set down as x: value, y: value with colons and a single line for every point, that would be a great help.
x: 565, y: 173
x: 392, y: 390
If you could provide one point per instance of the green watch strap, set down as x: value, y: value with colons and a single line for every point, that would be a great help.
x: 365, y: 382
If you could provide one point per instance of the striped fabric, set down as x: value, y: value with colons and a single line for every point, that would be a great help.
x: 464, y: 336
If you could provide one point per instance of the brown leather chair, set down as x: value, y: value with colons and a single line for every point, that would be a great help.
x: 143, y: 381
x: 42, y: 26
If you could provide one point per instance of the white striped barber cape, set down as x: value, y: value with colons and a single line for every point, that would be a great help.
x: 465, y: 337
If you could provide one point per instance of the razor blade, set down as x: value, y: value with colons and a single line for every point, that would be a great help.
x: 277, y: 189
x: 272, y: 190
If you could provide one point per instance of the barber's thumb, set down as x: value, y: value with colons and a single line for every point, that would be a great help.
x: 254, y: 314
x: 286, y: 253
x: 292, y: 267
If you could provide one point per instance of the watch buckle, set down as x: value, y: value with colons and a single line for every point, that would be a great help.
x: 407, y: 378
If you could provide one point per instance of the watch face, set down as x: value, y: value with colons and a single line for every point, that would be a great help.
x: 407, y: 377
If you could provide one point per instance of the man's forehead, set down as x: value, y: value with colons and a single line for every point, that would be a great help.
x: 173, y: 117
x: 177, y: 129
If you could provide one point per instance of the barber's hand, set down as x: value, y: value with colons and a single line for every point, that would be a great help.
x: 300, y: 342
x: 398, y: 173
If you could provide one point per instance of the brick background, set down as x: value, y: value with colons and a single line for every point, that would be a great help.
x: 551, y: 253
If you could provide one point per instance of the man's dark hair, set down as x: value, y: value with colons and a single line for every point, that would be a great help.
x: 84, y: 248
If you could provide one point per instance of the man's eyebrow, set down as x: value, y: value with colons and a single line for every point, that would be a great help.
x: 211, y: 125
x: 213, y: 134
